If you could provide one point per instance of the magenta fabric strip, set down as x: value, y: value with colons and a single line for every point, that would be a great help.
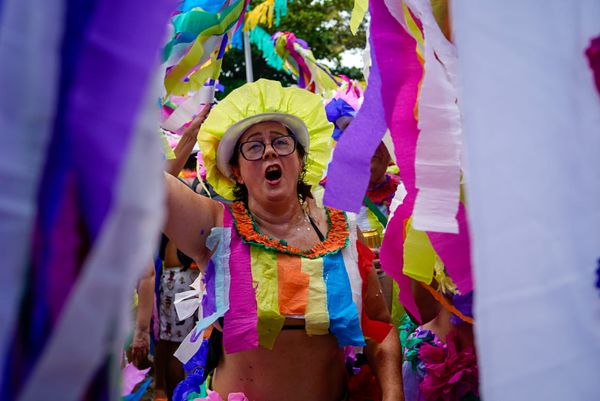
x: 350, y: 168
x: 401, y: 73
x: 455, y: 252
x: 241, y: 320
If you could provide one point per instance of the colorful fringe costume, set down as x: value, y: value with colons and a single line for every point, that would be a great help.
x: 273, y: 281
x: 255, y: 282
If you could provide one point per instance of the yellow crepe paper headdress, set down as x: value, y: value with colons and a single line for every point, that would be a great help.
x: 264, y: 100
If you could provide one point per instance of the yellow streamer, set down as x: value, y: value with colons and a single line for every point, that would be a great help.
x: 419, y: 255
x: 264, y: 279
x: 179, y: 71
x: 166, y: 148
x: 261, y: 14
x: 414, y: 31
x: 442, y: 17
x: 358, y: 14
x: 317, y: 315
x: 397, y: 308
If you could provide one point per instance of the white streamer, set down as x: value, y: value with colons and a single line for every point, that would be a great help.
x: 188, y: 302
x: 439, y: 146
x: 27, y: 109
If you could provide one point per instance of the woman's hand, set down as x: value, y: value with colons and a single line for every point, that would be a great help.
x: 140, y: 347
x: 192, y: 129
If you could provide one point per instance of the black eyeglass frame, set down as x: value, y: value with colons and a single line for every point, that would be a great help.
x: 264, y: 146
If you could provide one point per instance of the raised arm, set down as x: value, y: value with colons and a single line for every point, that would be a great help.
x: 190, y: 217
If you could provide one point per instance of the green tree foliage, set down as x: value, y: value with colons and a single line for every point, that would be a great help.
x: 323, y: 24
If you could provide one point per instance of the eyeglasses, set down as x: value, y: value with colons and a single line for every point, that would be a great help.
x: 254, y: 150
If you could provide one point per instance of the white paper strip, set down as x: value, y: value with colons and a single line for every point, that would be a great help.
x: 189, y: 346
x: 439, y: 146
x: 186, y: 111
x: 30, y: 37
x: 188, y: 302
x: 532, y: 136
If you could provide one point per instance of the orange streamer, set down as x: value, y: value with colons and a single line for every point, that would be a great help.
x: 293, y: 285
x: 446, y: 304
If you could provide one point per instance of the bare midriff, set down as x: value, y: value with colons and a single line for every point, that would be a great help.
x: 299, y: 367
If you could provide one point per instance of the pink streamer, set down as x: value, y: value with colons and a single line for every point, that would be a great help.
x: 241, y: 320
x: 401, y: 73
x: 131, y: 377
x: 455, y: 252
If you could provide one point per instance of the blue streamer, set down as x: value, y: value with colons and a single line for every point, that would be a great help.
x: 198, y: 361
x: 280, y: 10
x: 237, y: 41
x: 343, y: 313
x: 262, y: 40
x: 211, y: 6
x: 191, y: 384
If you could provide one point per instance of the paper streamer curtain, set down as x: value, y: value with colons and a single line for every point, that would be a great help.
x: 286, y: 52
x: 302, y: 64
x: 201, y: 32
x: 418, y: 102
x: 536, y: 242
x: 81, y: 205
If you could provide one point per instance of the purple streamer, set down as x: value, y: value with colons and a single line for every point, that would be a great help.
x: 114, y: 67
x: 223, y: 47
x: 464, y: 304
x: 350, y: 168
x: 209, y: 305
x: 302, y: 43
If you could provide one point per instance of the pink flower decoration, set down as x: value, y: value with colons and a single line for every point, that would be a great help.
x: 214, y: 396
x: 451, y: 375
x: 237, y: 397
x: 593, y: 55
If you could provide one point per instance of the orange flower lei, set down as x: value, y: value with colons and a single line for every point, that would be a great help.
x: 337, y: 237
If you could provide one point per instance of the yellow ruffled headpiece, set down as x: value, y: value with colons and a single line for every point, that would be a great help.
x: 264, y: 100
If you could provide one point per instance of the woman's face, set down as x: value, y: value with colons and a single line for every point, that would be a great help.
x: 272, y: 177
x: 379, y: 164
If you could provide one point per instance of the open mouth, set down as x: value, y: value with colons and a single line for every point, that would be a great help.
x: 273, y: 173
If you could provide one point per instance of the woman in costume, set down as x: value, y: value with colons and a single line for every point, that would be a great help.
x: 440, y: 361
x: 290, y: 281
